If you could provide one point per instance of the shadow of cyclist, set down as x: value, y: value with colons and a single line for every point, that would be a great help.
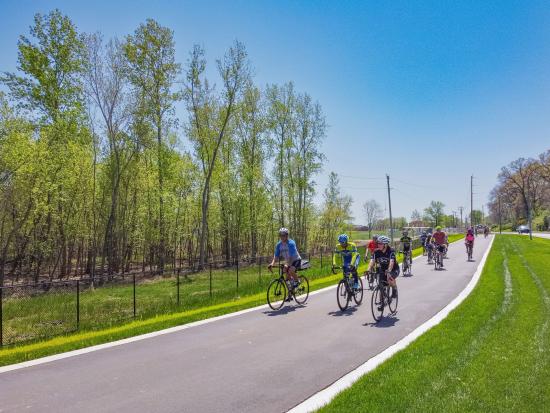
x: 386, y: 322
x: 349, y: 311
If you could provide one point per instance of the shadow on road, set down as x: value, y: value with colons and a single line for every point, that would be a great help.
x: 386, y: 322
x: 283, y: 311
x: 346, y: 313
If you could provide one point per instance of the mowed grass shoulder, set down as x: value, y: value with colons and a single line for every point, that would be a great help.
x: 491, y: 354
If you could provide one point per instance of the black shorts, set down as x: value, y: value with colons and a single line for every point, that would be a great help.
x: 406, y: 248
x: 296, y: 264
x: 442, y: 248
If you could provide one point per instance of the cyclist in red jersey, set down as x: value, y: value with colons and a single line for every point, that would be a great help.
x: 372, y: 245
x: 439, y: 239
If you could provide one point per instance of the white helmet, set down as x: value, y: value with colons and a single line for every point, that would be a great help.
x: 283, y: 231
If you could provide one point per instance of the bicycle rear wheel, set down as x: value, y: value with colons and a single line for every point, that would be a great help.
x: 377, y: 300
x: 342, y: 296
x: 277, y: 293
x: 301, y: 292
x: 358, y: 295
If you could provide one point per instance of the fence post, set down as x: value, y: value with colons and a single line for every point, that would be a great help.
x: 237, y: 269
x: 1, y: 316
x: 260, y: 271
x: 210, y: 278
x: 77, y: 304
x: 178, y: 286
x: 134, y: 282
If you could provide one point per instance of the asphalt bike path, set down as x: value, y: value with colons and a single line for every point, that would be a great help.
x: 263, y: 360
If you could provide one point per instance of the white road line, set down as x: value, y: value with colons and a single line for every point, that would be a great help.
x: 78, y: 352
x: 325, y: 396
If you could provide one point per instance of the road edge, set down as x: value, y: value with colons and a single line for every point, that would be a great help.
x: 324, y: 396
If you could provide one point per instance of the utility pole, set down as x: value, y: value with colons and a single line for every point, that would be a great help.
x: 499, y: 216
x: 389, y: 205
x: 472, y: 201
x: 461, y: 209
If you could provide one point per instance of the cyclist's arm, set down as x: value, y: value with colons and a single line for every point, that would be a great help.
x: 355, y: 256
x: 335, y: 256
x: 276, y: 255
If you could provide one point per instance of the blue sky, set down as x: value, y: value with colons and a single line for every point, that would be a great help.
x: 429, y: 92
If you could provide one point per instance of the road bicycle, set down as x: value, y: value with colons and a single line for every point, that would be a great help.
x: 382, y: 298
x: 407, y: 262
x: 345, y: 291
x: 469, y: 250
x: 281, y: 290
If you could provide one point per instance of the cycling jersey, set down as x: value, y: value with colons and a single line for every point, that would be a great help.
x: 287, y: 251
x: 470, y: 238
x: 406, y: 243
x: 439, y: 237
x: 383, y: 259
x: 347, y: 255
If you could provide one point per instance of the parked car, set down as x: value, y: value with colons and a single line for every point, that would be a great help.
x: 523, y: 229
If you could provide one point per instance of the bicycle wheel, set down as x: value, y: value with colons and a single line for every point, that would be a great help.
x: 342, y: 296
x: 376, y: 301
x: 301, y: 292
x: 277, y: 293
x: 358, y: 295
x: 392, y: 302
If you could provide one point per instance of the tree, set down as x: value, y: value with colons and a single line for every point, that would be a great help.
x: 434, y: 212
x: 51, y: 62
x: 373, y: 212
x: 416, y: 216
x: 335, y: 213
x: 210, y: 116
x: 153, y: 70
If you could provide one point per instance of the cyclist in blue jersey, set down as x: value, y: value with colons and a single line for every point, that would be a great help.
x: 288, y: 253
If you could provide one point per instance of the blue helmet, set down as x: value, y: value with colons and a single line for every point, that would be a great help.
x: 343, y: 239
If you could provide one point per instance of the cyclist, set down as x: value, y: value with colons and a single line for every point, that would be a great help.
x: 439, y: 239
x: 428, y: 244
x: 406, y: 243
x: 286, y: 249
x: 346, y: 253
x: 486, y: 231
x: 372, y: 245
x: 384, y: 256
x: 422, y: 238
x: 469, y: 239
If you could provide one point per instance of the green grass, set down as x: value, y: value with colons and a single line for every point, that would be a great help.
x: 490, y: 354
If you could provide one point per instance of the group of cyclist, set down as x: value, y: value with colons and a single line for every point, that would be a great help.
x: 382, y: 256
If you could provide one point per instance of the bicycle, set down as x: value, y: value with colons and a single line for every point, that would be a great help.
x: 345, y: 291
x: 407, y: 262
x: 281, y: 290
x: 382, y: 297
x: 469, y: 250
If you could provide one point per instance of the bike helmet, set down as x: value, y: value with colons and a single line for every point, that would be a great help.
x: 405, y: 233
x: 382, y: 239
x: 283, y: 231
x: 343, y: 239
x: 438, y: 228
x: 374, y: 237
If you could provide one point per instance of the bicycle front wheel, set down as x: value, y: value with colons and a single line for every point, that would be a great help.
x: 342, y: 296
x: 301, y: 292
x: 277, y: 293
x: 377, y: 303
x: 392, y: 301
x: 358, y: 295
